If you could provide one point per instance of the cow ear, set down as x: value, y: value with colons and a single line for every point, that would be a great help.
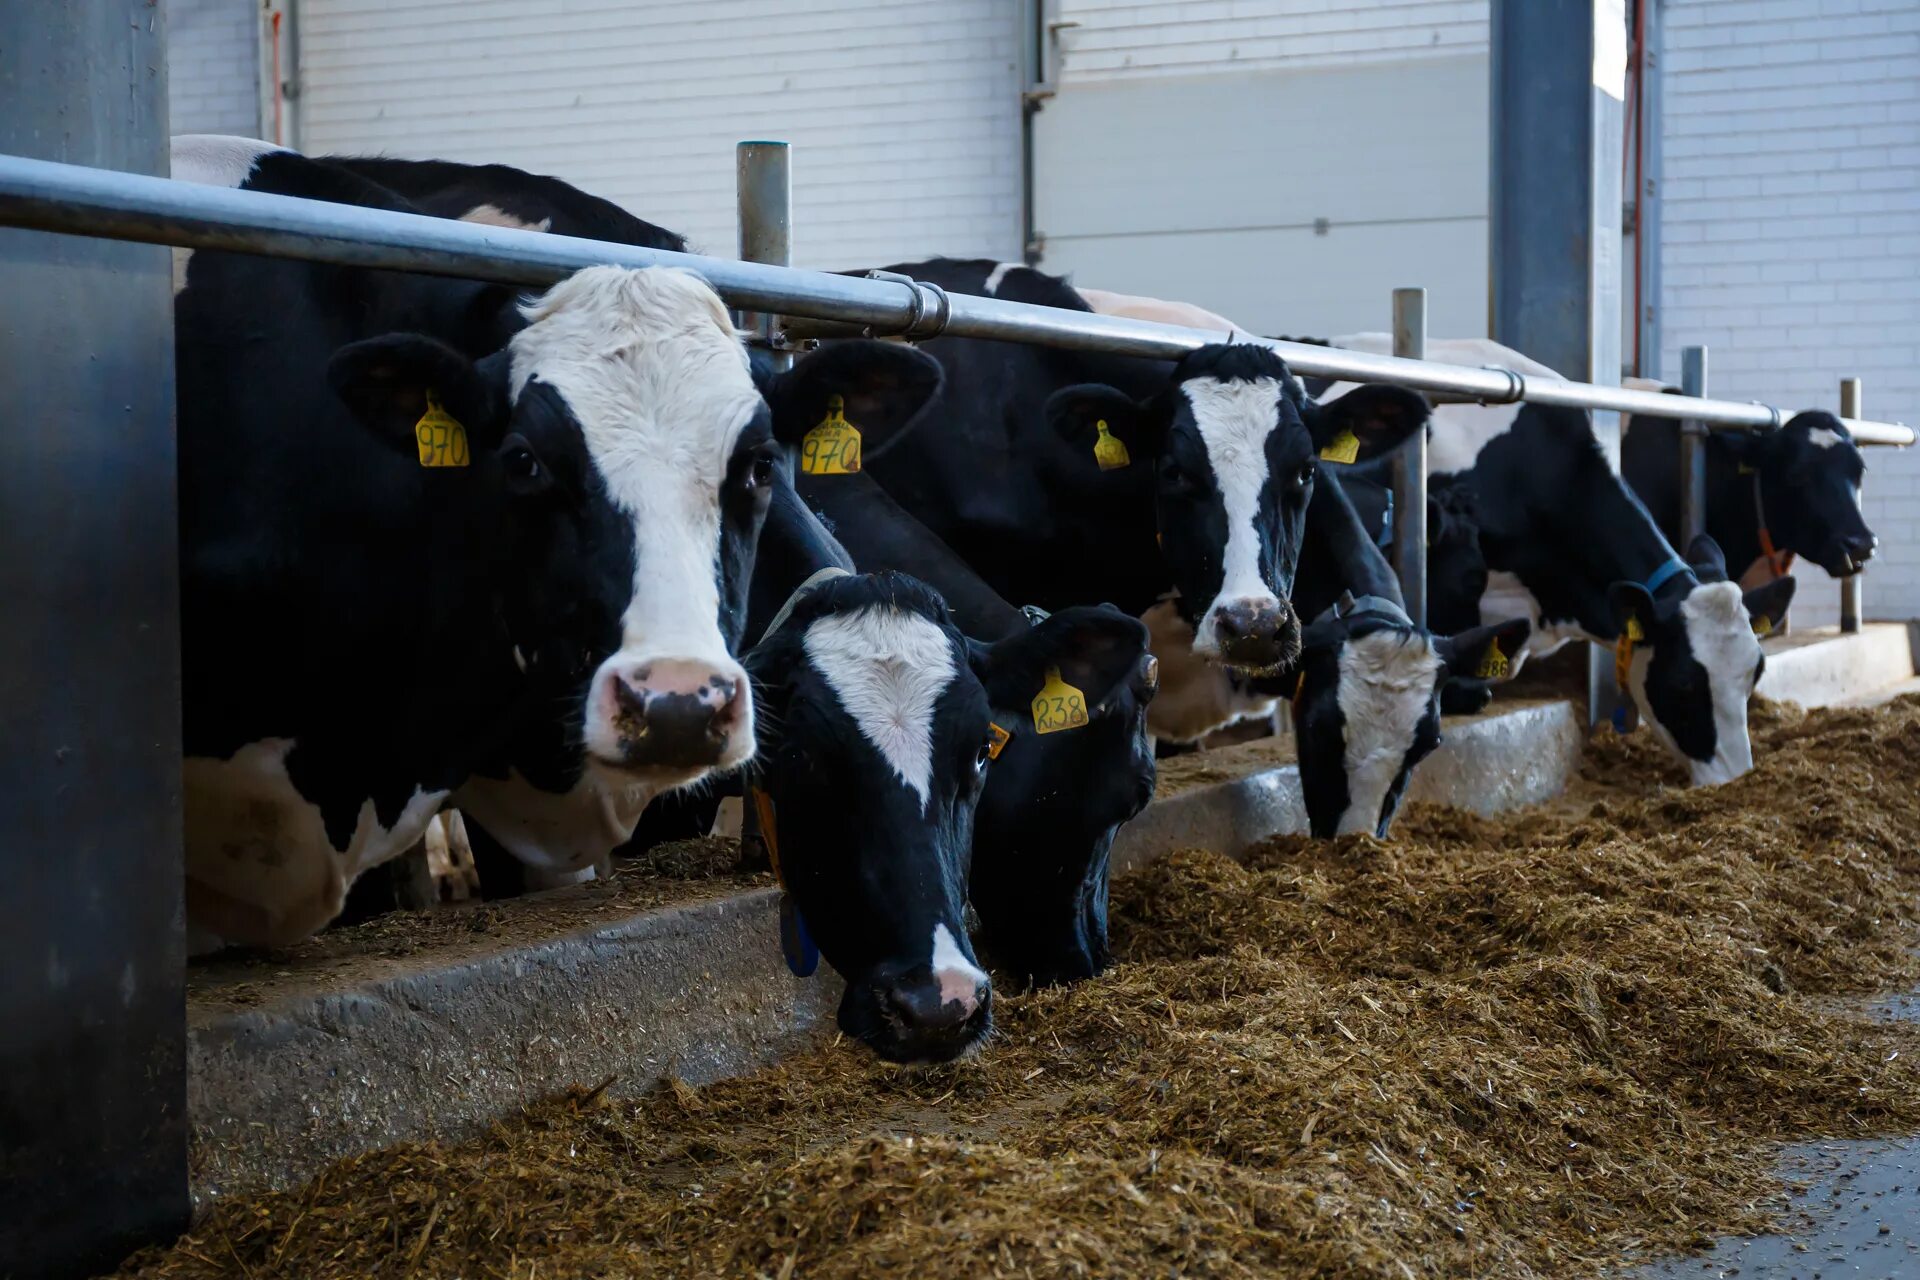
x: 1485, y: 653
x: 1767, y: 606
x: 1631, y: 604
x: 1708, y: 562
x: 1748, y: 449
x: 1366, y: 422
x: 877, y: 388
x: 1107, y: 426
x: 1094, y: 648
x: 388, y: 382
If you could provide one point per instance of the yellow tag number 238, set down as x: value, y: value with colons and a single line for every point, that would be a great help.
x: 1058, y: 706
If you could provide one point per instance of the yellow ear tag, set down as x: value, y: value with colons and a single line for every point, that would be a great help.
x: 1000, y: 738
x: 1762, y: 625
x: 1059, y: 705
x: 442, y: 440
x: 1345, y: 448
x: 1634, y: 633
x: 769, y: 834
x: 1109, y: 450
x: 1742, y: 469
x: 1494, y: 664
x: 832, y: 448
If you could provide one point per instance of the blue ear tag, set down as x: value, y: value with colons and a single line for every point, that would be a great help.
x: 1620, y: 724
x: 796, y: 944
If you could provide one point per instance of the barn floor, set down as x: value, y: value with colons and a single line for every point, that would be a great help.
x: 1534, y: 1044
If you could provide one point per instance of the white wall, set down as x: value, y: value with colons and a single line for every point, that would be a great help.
x: 212, y: 61
x: 1793, y: 231
x: 904, y: 114
x: 1133, y: 39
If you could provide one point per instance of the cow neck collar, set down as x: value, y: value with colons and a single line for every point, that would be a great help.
x: 1674, y: 567
x: 1348, y: 607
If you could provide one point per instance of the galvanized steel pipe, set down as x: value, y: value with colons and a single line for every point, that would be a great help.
x: 76, y: 200
x: 1410, y: 466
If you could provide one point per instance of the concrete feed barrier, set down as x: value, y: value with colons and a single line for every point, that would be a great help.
x: 439, y: 1043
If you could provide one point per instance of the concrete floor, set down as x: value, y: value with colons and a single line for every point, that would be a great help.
x: 1854, y: 1211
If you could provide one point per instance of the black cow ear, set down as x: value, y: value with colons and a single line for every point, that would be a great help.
x: 1749, y: 449
x: 1093, y: 649
x: 1708, y: 562
x: 1110, y: 428
x: 395, y: 382
x: 1631, y: 605
x: 1485, y: 653
x: 1767, y: 606
x: 876, y: 388
x: 1366, y: 422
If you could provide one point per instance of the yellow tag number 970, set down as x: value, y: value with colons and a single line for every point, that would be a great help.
x: 441, y: 438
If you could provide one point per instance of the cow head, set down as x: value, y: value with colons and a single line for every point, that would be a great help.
x: 617, y: 457
x: 880, y: 718
x: 1366, y: 706
x: 1694, y: 668
x: 1233, y: 443
x: 1809, y: 475
x: 1053, y: 804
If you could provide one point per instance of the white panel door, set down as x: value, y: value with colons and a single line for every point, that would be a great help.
x: 1292, y: 201
x: 904, y: 114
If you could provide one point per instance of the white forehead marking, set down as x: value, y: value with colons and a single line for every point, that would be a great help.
x: 1823, y: 437
x: 1386, y: 685
x: 650, y: 365
x: 888, y: 667
x: 1234, y: 419
x: 995, y: 276
x: 958, y: 976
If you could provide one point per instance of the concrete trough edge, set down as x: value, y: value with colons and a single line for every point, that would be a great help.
x: 438, y: 1048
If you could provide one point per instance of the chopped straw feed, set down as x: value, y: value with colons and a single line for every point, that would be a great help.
x: 1533, y: 1045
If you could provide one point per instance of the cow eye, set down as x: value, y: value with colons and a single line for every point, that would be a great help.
x: 982, y: 756
x: 524, y: 472
x: 1303, y: 477
x: 760, y: 472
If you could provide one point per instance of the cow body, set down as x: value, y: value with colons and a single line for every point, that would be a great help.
x: 396, y: 539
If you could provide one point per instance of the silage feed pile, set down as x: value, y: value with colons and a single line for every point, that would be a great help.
x: 1527, y: 1046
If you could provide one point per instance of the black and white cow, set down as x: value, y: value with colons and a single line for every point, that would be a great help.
x: 877, y: 743
x: 1574, y: 550
x: 1771, y: 495
x: 398, y: 548
x: 1142, y: 481
x: 1054, y: 800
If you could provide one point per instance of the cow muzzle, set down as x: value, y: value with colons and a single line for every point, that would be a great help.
x: 921, y: 1014
x: 1257, y: 636
x: 669, y: 714
x: 1849, y: 554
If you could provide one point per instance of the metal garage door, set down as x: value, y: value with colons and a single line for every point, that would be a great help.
x: 1291, y: 201
x: 904, y: 114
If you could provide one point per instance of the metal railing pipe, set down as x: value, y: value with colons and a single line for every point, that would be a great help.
x: 1851, y: 586
x: 76, y: 200
x: 1410, y: 466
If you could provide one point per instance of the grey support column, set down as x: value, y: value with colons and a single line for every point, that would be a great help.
x: 1850, y: 586
x: 763, y: 178
x: 1559, y: 80
x: 1693, y: 450
x: 1410, y: 466
x: 93, y: 1127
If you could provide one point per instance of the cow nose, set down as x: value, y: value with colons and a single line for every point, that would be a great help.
x: 674, y: 712
x: 939, y: 1003
x: 1860, y: 548
x: 1256, y: 633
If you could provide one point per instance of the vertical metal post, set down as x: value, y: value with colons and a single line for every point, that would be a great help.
x: 763, y: 181
x: 93, y: 1125
x: 1693, y: 451
x: 1557, y: 110
x: 1410, y: 466
x: 1850, y: 586
x: 1649, y: 123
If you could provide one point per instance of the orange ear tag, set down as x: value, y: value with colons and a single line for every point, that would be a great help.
x: 999, y: 738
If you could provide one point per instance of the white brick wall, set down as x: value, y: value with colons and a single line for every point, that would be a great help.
x: 1793, y: 230
x: 903, y: 113
x: 212, y: 66
x: 1130, y: 39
